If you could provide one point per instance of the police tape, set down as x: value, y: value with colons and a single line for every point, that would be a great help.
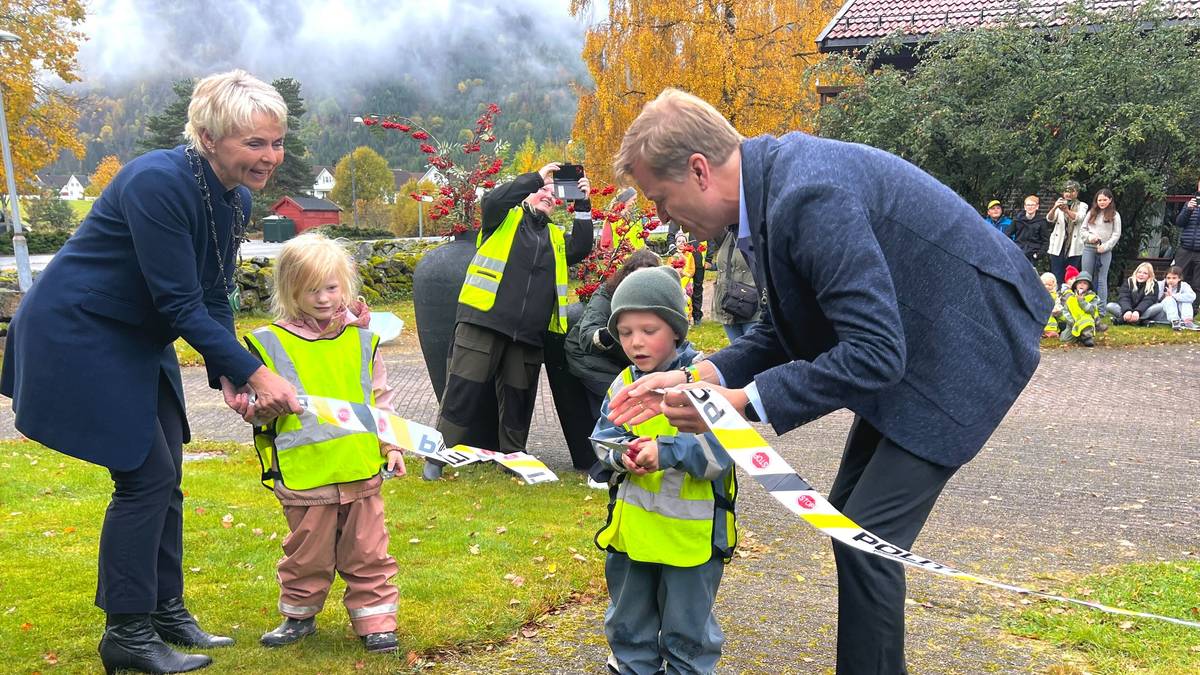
x: 420, y: 439
x: 751, y: 452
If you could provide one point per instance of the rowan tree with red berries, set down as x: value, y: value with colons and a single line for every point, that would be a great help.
x: 604, y: 261
x: 467, y: 167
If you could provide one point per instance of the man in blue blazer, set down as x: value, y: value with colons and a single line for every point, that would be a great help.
x: 885, y: 294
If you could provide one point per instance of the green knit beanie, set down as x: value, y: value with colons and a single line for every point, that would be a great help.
x: 653, y: 289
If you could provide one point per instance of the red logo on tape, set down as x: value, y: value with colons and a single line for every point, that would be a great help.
x: 760, y: 460
x: 344, y: 414
x: 382, y: 423
x: 806, y: 501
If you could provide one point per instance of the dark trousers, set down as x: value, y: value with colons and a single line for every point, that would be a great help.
x: 889, y: 492
x: 1058, y: 265
x: 487, y: 366
x: 141, y: 543
x: 698, y: 287
x: 1190, y: 262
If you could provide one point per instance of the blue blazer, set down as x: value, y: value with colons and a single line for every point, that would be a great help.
x: 94, y: 334
x: 887, y: 294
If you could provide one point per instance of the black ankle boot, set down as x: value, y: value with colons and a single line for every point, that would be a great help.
x: 130, y: 643
x: 176, y: 625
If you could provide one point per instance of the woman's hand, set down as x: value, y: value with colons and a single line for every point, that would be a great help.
x: 638, y: 402
x: 275, y: 395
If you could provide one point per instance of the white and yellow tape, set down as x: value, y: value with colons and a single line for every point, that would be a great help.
x: 751, y: 452
x: 420, y: 439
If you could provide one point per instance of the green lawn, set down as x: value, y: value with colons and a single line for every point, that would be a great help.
x: 480, y: 555
x: 81, y: 207
x: 1112, y: 644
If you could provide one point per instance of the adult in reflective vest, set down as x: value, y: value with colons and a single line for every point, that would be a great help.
x: 514, y: 292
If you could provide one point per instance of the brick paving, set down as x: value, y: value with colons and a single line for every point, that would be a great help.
x: 1096, y: 464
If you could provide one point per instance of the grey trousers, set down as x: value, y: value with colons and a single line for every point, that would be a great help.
x: 660, y: 617
x: 1153, y: 311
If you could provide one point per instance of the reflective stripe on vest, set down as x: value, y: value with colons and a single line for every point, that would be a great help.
x: 486, y: 270
x: 304, y: 452
x: 668, y: 516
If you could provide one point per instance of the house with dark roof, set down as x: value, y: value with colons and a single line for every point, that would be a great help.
x: 861, y: 23
x: 307, y: 212
x: 66, y: 186
x: 322, y: 181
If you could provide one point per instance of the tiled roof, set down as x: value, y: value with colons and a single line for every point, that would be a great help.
x: 860, y: 22
x: 312, y: 204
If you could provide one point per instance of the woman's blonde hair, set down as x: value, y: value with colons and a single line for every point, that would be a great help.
x: 306, y: 263
x: 669, y: 130
x: 226, y: 103
x: 1147, y: 287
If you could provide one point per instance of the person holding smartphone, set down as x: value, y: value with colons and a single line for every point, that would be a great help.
x: 1187, y: 256
x: 515, y: 291
x: 1066, y: 216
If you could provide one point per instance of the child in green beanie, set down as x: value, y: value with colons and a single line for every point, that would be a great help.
x: 671, y: 526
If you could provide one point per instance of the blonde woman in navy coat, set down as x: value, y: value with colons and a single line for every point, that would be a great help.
x: 91, y: 367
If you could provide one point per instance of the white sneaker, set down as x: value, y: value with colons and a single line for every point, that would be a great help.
x: 596, y: 485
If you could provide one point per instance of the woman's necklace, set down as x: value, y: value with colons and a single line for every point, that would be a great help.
x: 233, y: 294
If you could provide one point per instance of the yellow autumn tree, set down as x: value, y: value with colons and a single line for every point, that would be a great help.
x: 105, y: 171
x: 531, y: 156
x: 746, y: 57
x: 41, y: 118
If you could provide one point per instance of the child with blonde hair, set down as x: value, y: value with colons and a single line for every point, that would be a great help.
x: 328, y: 479
x: 1137, y: 298
x: 1051, y: 284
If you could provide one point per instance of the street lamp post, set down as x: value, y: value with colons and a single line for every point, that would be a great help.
x: 421, y: 214
x: 354, y: 188
x: 20, y: 248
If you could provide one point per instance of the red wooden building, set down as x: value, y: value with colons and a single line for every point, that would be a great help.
x: 308, y: 212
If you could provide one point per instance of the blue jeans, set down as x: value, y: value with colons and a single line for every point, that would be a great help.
x: 736, y: 330
x: 1096, y: 264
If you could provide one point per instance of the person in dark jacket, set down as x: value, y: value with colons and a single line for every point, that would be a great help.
x: 1187, y: 256
x: 593, y: 354
x: 886, y: 294
x: 514, y: 292
x: 1030, y: 230
x: 90, y: 360
x: 1137, y: 299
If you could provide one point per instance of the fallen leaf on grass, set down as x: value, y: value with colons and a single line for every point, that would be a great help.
x: 513, y: 602
x: 1194, y: 648
x: 194, y: 569
x: 51, y: 658
x: 359, y: 665
x: 474, y: 549
x: 1125, y: 625
x: 579, y: 558
x: 414, y: 540
x: 227, y: 521
x: 552, y: 568
x: 518, y: 581
x: 200, y: 510
x: 501, y: 530
x: 528, y: 632
x: 68, y: 530
x: 411, y: 658
x: 26, y: 626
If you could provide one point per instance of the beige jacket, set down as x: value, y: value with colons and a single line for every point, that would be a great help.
x: 1063, y: 228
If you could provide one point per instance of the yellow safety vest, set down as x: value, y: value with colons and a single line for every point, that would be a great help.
x: 486, y: 270
x: 668, y: 516
x: 299, y: 450
x: 633, y: 235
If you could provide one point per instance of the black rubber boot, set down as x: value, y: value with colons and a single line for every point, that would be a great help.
x: 290, y: 631
x: 176, y: 625
x: 130, y: 643
x: 380, y: 642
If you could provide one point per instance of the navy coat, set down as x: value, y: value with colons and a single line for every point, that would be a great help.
x: 94, y: 334
x: 887, y: 294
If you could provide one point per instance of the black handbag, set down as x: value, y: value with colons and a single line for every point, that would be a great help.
x: 740, y: 300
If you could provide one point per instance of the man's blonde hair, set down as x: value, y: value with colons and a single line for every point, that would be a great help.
x: 669, y: 130
x: 305, y: 263
x: 226, y: 103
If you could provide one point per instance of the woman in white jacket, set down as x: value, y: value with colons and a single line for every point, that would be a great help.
x: 1176, y: 298
x: 1100, y: 232
x: 1066, y: 216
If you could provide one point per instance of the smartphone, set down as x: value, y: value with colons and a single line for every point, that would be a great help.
x: 566, y: 182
